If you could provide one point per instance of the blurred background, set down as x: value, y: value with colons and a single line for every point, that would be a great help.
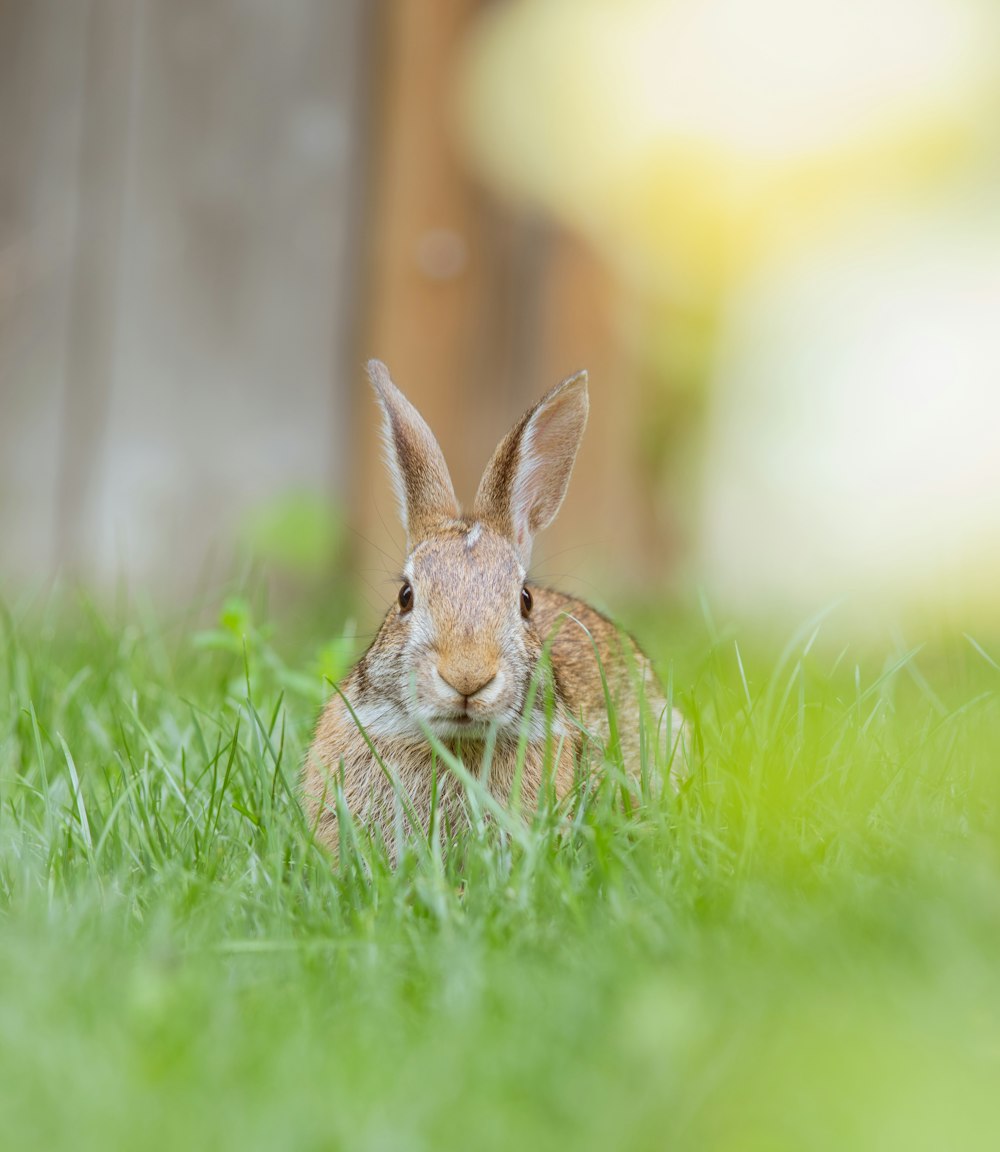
x: 770, y: 230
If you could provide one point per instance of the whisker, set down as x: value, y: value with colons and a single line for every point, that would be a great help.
x: 371, y: 543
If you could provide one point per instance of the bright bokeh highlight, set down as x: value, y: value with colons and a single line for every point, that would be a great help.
x: 853, y: 433
x: 684, y: 136
x: 816, y: 182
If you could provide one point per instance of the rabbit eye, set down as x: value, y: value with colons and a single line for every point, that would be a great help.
x: 526, y: 602
x: 405, y: 597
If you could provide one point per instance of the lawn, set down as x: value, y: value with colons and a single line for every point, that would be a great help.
x: 800, y: 951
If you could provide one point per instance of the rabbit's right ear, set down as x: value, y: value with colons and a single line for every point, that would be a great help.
x: 525, y: 482
x: 419, y: 474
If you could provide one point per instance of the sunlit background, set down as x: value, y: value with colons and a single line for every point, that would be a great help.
x: 769, y: 229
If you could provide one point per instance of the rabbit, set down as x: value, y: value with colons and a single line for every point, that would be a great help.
x: 458, y: 650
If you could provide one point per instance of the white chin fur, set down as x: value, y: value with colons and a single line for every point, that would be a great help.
x: 388, y: 721
x: 455, y: 730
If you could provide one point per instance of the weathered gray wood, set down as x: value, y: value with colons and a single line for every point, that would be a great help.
x: 93, y: 274
x: 211, y: 213
x: 41, y: 95
x: 175, y: 183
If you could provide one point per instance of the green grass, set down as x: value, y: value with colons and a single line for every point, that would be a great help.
x: 803, y: 951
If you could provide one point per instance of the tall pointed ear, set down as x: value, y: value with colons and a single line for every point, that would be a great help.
x: 417, y: 468
x: 525, y: 482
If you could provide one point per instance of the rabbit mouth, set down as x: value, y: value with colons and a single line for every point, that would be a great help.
x: 462, y: 720
x: 461, y: 723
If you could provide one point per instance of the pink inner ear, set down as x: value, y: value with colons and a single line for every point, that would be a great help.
x: 548, y: 450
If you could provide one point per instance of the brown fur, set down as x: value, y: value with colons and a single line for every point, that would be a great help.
x: 462, y: 660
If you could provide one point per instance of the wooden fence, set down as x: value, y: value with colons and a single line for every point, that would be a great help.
x: 210, y: 215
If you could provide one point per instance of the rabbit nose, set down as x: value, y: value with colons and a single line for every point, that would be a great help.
x: 466, y: 681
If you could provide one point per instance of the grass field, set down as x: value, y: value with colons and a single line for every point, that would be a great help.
x: 802, y: 951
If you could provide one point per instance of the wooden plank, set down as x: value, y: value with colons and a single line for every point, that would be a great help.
x: 477, y: 307
x: 427, y: 270
x: 599, y: 533
x: 94, y: 279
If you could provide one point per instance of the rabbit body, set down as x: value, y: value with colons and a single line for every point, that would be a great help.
x: 459, y: 654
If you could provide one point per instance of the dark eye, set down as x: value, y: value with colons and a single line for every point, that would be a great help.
x: 526, y: 602
x: 405, y: 597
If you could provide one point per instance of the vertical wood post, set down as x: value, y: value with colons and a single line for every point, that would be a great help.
x: 94, y: 278
x: 476, y: 309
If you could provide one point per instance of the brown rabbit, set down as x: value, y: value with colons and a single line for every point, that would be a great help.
x: 458, y: 654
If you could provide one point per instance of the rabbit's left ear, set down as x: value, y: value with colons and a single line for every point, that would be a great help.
x: 416, y: 464
x: 525, y: 482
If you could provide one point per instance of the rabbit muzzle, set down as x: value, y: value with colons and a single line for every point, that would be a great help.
x: 468, y: 688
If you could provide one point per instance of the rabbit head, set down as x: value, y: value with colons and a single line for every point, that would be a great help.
x: 457, y: 651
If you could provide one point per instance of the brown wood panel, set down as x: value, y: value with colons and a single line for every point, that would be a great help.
x: 427, y: 266
x: 477, y: 307
x: 599, y: 530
